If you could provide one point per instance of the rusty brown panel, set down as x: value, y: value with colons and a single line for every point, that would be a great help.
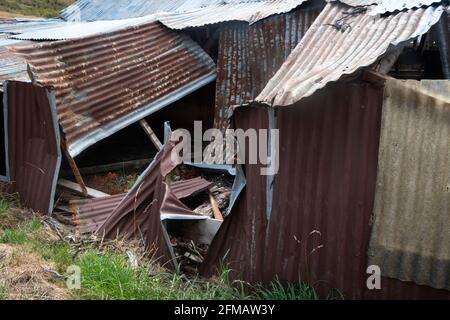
x: 90, y: 214
x: 106, y: 78
x: 250, y: 55
x: 185, y: 188
x: 34, y: 155
x: 240, y: 238
x: 323, y: 196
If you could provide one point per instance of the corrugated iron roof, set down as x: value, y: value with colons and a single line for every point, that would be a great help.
x: 9, y: 27
x: 411, y: 233
x: 385, y: 6
x: 104, y: 83
x: 340, y: 42
x: 249, y: 11
x: 179, y: 14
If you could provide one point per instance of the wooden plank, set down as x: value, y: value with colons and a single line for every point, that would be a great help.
x: 74, y: 187
x: 131, y: 164
x: 151, y: 134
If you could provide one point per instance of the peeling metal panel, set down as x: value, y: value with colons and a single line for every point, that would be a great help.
x: 250, y: 55
x: 338, y: 44
x: 104, y: 83
x: 411, y: 234
x: 183, y: 13
x: 386, y: 6
x: 323, y: 197
x: 34, y: 155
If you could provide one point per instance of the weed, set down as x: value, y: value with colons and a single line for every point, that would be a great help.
x: 278, y: 291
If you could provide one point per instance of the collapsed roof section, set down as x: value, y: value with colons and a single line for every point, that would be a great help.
x: 342, y: 40
x: 105, y: 82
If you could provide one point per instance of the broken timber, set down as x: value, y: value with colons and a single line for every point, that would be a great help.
x: 75, y: 170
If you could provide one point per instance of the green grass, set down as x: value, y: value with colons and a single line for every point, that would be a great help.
x: 39, y: 8
x: 3, y: 295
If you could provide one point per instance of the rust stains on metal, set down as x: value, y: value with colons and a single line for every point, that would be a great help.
x: 90, y: 214
x: 340, y: 42
x: 323, y: 197
x: 34, y: 155
x: 104, y: 83
x: 249, y: 56
x: 188, y: 187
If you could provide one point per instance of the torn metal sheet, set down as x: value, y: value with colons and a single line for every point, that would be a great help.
x: 323, y: 196
x: 104, y: 83
x: 32, y: 139
x: 411, y: 233
x: 340, y: 42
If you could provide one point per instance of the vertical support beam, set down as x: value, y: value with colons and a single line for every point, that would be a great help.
x: 151, y: 134
x: 74, y: 167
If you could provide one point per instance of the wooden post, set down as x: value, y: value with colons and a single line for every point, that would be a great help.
x: 148, y: 130
x: 74, y: 167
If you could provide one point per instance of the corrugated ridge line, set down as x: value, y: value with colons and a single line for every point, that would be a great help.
x: 385, y: 6
x: 325, y: 53
x: 401, y: 188
x: 86, y: 95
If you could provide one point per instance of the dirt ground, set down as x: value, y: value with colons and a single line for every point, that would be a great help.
x: 4, y: 14
x: 24, y: 275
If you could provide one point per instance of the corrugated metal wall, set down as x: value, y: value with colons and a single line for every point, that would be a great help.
x: 322, y: 200
x: 250, y: 55
x: 33, y: 144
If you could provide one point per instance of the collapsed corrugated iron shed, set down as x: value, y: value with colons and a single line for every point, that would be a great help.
x: 105, y: 82
x: 340, y: 41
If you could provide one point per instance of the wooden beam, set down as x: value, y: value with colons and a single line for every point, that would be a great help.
x: 74, y: 167
x: 131, y: 164
x: 151, y: 134
x: 374, y: 77
x: 216, y: 210
x: 74, y: 187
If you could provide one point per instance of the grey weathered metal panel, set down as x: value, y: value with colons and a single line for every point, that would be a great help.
x: 339, y: 43
x: 411, y: 234
x: 106, y: 82
x: 34, y: 155
x: 250, y: 55
x: 182, y: 13
x: 384, y: 6
x: 12, y: 66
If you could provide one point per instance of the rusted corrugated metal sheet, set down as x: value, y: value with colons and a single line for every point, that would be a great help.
x: 104, y: 83
x: 340, y: 43
x: 12, y: 66
x: 34, y: 155
x: 411, y: 234
x: 323, y: 197
x: 179, y: 13
x: 90, y: 214
x: 384, y: 6
x: 250, y: 55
